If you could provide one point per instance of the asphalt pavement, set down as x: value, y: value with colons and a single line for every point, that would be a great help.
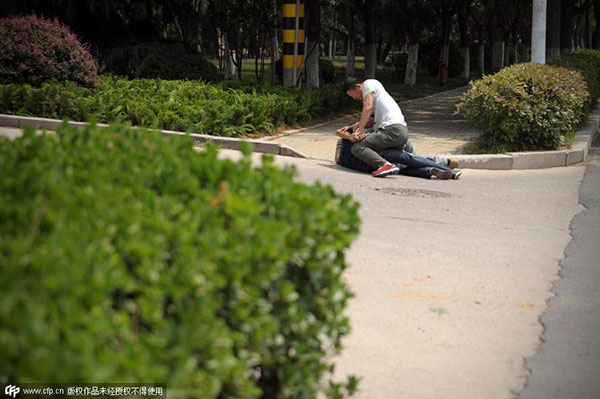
x: 451, y: 278
x: 567, y: 364
x: 485, y: 287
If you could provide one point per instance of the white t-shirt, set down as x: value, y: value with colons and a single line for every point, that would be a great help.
x: 386, y: 110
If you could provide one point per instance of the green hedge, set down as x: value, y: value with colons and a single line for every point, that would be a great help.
x: 127, y: 257
x: 227, y: 109
x: 588, y: 63
x: 526, y: 107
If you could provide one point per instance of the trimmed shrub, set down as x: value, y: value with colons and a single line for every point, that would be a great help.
x: 588, y: 63
x: 230, y: 109
x: 130, y: 257
x: 526, y: 107
x: 161, y: 60
x: 34, y: 50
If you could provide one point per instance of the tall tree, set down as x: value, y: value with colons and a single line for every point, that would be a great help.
x: 445, y: 11
x: 370, y: 47
x: 481, y: 13
x: 412, y: 14
x: 313, y: 30
x: 553, y: 28
x: 464, y: 10
x: 351, y: 46
x: 596, y: 34
x: 566, y: 31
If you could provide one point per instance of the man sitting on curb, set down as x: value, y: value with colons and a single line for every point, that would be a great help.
x: 390, y: 129
x: 407, y: 163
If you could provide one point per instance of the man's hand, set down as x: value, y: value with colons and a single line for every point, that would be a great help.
x: 358, y: 135
x: 349, y: 127
x: 343, y: 133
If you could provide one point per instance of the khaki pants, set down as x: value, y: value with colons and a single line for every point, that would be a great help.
x: 393, y: 136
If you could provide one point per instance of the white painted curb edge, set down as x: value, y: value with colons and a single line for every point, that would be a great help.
x: 512, y: 160
x: 227, y: 142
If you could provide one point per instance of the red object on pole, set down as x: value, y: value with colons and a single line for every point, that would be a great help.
x: 443, y: 70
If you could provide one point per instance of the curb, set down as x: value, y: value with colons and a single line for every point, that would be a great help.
x: 227, y: 142
x: 513, y: 160
x: 537, y: 159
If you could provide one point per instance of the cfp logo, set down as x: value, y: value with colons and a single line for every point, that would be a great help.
x: 12, y: 390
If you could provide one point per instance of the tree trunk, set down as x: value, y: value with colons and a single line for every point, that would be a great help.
x: 379, y: 48
x: 492, y: 50
x: 274, y: 58
x: 444, y: 42
x: 368, y: 12
x: 498, y: 60
x: 330, y: 54
x: 313, y: 31
x: 274, y: 45
x: 566, y: 33
x: 238, y: 59
x: 525, y: 45
x: 526, y: 53
x: 370, y: 60
x: 506, y: 60
x: 482, y: 59
x: 230, y: 62
x: 596, y: 35
x: 467, y: 66
x: 553, y: 29
x: 447, y: 56
x: 350, y: 58
x: 410, y: 77
x: 312, y: 65
x: 465, y: 37
x: 588, y: 28
x: 386, y: 50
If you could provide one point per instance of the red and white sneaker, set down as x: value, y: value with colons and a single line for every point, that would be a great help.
x: 387, y: 169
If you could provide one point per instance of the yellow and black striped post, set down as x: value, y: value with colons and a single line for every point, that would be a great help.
x: 293, y: 40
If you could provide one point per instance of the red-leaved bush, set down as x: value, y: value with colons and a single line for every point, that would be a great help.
x: 34, y: 50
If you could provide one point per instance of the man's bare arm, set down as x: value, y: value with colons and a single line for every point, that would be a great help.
x: 367, y: 109
x: 354, y: 126
x: 343, y: 133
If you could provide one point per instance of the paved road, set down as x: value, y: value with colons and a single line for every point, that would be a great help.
x: 567, y: 365
x: 451, y: 277
x: 434, y: 129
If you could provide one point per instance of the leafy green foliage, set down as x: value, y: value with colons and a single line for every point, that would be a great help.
x: 588, y: 63
x: 526, y: 107
x: 34, y: 50
x: 229, y: 109
x: 160, y: 60
x: 130, y: 257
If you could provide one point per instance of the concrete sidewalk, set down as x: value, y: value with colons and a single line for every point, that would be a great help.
x: 434, y: 129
